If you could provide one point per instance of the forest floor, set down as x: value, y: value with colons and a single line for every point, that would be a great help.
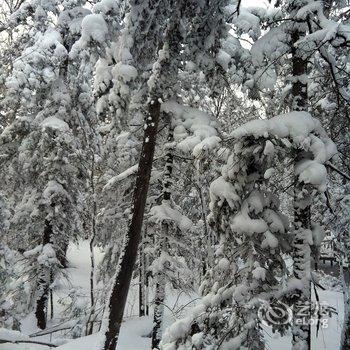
x: 135, y: 330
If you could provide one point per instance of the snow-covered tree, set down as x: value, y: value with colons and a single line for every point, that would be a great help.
x: 44, y: 156
x: 252, y: 232
x: 188, y: 142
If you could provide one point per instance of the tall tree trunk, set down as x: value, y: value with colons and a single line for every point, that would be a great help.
x: 51, y: 297
x: 90, y: 325
x: 162, y: 243
x: 142, y: 278
x: 302, y: 213
x: 159, y: 297
x: 122, y: 280
x: 147, y: 273
x: 345, y: 341
x: 172, y: 40
x: 301, y: 270
x: 43, y: 283
x: 299, y: 73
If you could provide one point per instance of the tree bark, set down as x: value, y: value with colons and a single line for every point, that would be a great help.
x: 301, y: 270
x: 147, y: 274
x: 121, y: 284
x: 302, y: 214
x: 345, y: 341
x: 90, y: 325
x: 162, y: 240
x: 43, y: 283
x: 158, y: 311
x: 142, y: 277
x: 299, y: 71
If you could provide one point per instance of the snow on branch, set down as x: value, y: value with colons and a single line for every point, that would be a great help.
x: 194, y: 130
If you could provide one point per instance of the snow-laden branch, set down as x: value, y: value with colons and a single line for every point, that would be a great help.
x: 4, y: 341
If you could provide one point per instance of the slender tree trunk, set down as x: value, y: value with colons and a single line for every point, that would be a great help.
x: 160, y: 277
x: 90, y: 323
x: 345, y: 341
x: 43, y: 283
x: 159, y: 296
x: 158, y: 311
x: 301, y: 271
x: 147, y: 275
x: 121, y: 283
x: 302, y: 214
x: 92, y: 272
x: 91, y: 247
x: 299, y: 73
x: 51, y: 297
x: 142, y: 277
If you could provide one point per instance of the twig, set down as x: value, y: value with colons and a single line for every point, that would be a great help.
x: 333, y: 167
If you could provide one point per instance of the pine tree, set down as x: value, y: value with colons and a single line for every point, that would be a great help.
x: 44, y: 147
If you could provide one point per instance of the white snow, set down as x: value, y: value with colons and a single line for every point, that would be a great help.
x: 224, y: 59
x: 47, y: 256
x: 269, y: 241
x: 105, y: 6
x: 55, y: 123
x: 165, y: 213
x: 50, y: 38
x: 318, y: 234
x: 305, y: 132
x: 256, y: 202
x: 247, y: 22
x: 135, y: 330
x: 7, y: 334
x: 32, y: 252
x: 125, y: 174
x: 259, y: 273
x: 208, y: 144
x: 94, y: 27
x: 53, y: 188
x: 242, y: 223
x: 296, y: 125
x: 223, y: 264
x: 275, y: 221
x: 222, y: 190
x: 194, y: 130
x: 124, y: 71
x: 268, y: 173
x: 272, y: 44
x: 269, y: 148
x: 309, y: 171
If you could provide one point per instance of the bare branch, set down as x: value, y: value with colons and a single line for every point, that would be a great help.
x: 333, y: 167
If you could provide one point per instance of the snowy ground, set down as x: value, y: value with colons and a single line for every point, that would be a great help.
x: 135, y: 330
